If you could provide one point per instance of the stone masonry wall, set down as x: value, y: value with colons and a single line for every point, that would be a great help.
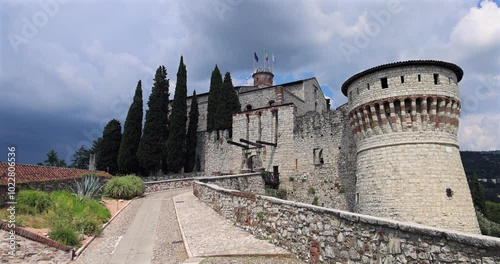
x: 321, y: 235
x: 408, y: 162
x: 322, y: 171
x: 157, y: 186
x: 250, y: 182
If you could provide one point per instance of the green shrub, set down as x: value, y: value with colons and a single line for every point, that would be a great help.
x: 493, y: 210
x: 89, y: 186
x: 315, y: 201
x: 86, y: 208
x: 125, y: 187
x: 280, y: 193
x: 311, y: 191
x: 487, y: 227
x: 65, y: 235
x: 32, y: 202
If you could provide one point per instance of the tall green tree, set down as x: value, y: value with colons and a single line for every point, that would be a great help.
x: 229, y: 105
x: 81, y: 158
x: 214, y: 100
x: 132, y: 130
x: 477, y: 192
x: 96, y: 144
x: 107, y: 156
x: 177, y: 131
x: 192, y: 135
x: 53, y: 160
x: 152, y: 154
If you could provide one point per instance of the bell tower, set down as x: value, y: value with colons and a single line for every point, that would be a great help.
x: 263, y: 77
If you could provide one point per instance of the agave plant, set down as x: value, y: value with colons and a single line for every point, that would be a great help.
x: 88, y: 187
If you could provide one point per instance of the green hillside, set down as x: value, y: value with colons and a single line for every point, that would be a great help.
x: 486, y: 165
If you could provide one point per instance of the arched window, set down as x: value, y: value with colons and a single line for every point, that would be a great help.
x: 248, y: 107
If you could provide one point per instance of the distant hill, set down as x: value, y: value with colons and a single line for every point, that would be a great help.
x: 486, y: 165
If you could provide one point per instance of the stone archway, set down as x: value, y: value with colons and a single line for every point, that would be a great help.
x: 254, y: 163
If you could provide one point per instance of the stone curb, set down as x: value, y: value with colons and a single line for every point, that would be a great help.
x: 186, y: 246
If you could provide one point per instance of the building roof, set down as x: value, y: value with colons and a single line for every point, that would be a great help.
x: 246, y: 88
x: 457, y: 70
x: 26, y: 173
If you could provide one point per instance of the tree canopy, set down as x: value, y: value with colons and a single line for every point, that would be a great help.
x: 177, y: 131
x: 127, y: 155
x: 107, y: 155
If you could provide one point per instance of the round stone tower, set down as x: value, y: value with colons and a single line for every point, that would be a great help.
x: 404, y: 117
x: 262, y: 77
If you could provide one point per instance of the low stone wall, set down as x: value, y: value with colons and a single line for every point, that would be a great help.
x: 31, y: 248
x: 317, y: 234
x: 249, y: 182
x: 157, y: 186
x: 168, y: 177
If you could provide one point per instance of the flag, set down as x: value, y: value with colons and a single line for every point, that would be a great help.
x: 265, y: 55
x: 255, y: 57
x: 274, y: 59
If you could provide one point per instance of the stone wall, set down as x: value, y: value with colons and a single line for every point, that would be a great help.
x: 317, y: 234
x: 157, y: 186
x: 250, y: 182
x: 324, y: 159
x: 31, y: 248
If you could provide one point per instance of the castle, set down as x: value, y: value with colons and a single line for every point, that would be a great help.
x: 390, y: 151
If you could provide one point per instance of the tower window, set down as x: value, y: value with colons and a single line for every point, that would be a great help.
x: 249, y: 107
x: 402, y: 79
x: 436, y: 78
x: 368, y: 86
x: 449, y: 80
x: 383, y: 81
x: 357, y: 198
x: 419, y: 78
x: 357, y: 90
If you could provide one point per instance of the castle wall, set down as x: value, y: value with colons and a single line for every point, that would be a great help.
x: 322, y: 171
x: 323, y: 235
x: 408, y: 162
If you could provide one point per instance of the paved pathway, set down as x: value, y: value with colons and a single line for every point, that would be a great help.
x: 209, y: 234
x: 147, y: 231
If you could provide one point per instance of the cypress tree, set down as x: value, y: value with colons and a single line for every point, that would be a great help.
x: 127, y: 155
x: 108, y: 150
x: 151, y: 153
x: 477, y: 192
x: 230, y: 104
x: 177, y: 134
x: 214, y: 100
x: 192, y: 135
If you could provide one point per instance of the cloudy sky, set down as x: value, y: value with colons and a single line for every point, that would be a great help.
x: 69, y: 66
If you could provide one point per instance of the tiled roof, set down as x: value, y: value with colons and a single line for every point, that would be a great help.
x: 35, y: 173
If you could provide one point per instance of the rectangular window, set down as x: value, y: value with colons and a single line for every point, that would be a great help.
x: 419, y: 78
x: 357, y: 90
x: 357, y: 198
x: 383, y: 81
x: 449, y: 80
x: 402, y: 79
x: 368, y: 86
x: 436, y: 78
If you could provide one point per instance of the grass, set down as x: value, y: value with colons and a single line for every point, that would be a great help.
x: 124, y: 187
x: 67, y: 217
